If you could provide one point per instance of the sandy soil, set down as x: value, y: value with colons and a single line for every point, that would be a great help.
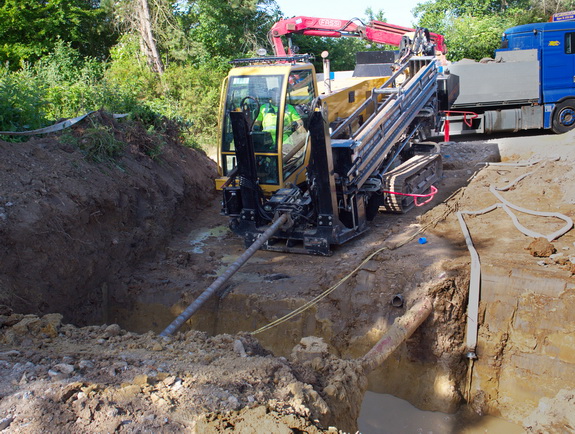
x: 130, y: 243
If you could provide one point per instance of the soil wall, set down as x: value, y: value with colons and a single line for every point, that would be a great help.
x: 68, y: 225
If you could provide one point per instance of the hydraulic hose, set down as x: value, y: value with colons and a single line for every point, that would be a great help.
x: 230, y: 271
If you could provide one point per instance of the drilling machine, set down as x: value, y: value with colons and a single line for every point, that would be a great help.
x: 329, y: 161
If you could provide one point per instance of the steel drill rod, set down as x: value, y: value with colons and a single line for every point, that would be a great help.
x: 400, y: 331
x: 230, y: 271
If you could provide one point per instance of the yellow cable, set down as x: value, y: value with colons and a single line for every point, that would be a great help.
x: 328, y: 291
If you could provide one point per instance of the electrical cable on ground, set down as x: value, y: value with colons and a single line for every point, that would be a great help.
x: 315, y: 300
x: 328, y: 291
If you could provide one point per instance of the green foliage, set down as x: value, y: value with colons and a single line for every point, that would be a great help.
x: 541, y: 10
x: 21, y: 101
x: 188, y: 94
x: 473, y: 29
x: 30, y: 29
x: 222, y: 30
x: 97, y: 143
x: 129, y: 70
x: 194, y: 93
x: 64, y: 85
x: 378, y: 15
x: 76, y: 85
x: 202, y: 31
x: 475, y: 38
x: 437, y: 15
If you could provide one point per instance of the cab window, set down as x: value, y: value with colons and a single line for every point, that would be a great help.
x: 569, y: 43
x: 249, y: 94
x: 300, y: 94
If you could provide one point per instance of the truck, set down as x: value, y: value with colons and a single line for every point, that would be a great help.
x: 529, y: 85
x: 329, y: 160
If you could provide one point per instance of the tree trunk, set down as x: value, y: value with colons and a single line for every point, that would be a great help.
x: 149, y: 43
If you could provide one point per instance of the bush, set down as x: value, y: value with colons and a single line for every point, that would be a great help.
x: 475, y: 38
x: 65, y: 85
x: 22, y: 100
x: 97, y: 143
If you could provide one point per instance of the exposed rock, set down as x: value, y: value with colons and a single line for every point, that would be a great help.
x: 541, y: 248
x: 112, y: 330
x: 309, y: 348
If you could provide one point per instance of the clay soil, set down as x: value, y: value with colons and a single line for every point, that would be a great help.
x: 98, y: 257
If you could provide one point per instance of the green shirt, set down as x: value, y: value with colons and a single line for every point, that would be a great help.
x: 268, y: 117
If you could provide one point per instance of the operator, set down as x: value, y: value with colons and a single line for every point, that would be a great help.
x: 267, y: 118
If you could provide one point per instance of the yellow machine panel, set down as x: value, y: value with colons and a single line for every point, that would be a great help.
x: 269, y: 93
x: 349, y: 93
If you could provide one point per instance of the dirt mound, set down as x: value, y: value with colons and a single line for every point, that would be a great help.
x: 541, y: 248
x: 78, y: 206
x: 104, y: 379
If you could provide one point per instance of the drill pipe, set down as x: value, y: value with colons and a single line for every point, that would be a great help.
x: 230, y: 271
x: 400, y: 331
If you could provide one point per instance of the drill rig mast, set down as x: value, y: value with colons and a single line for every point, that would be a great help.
x: 334, y: 168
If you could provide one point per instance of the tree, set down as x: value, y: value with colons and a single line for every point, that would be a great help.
x: 147, y: 37
x: 472, y: 29
x: 200, y: 31
x: 377, y: 16
x: 541, y: 10
x: 475, y: 38
x: 134, y: 16
x: 228, y: 29
x: 30, y: 29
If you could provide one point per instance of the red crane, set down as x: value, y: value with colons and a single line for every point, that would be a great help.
x: 376, y: 31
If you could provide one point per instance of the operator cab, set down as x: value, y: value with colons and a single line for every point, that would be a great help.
x: 276, y: 99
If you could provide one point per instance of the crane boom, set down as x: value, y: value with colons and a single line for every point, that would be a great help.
x: 375, y: 31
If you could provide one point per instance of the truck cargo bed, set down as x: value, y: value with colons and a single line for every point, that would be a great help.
x: 497, y: 83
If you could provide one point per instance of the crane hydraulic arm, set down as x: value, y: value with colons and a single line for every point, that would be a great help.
x: 375, y: 31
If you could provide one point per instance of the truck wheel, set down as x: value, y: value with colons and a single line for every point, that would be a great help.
x: 564, y: 117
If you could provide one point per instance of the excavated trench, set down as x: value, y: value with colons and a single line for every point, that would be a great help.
x: 430, y: 370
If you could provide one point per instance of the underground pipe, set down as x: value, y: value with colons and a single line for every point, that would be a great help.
x: 400, y: 331
x: 230, y: 271
x: 397, y: 300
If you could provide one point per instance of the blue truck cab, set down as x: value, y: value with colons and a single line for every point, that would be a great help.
x: 530, y: 83
x: 555, y: 43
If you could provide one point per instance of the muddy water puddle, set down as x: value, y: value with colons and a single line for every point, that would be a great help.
x: 197, y: 239
x: 386, y: 414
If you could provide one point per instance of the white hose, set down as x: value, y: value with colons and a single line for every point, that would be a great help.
x: 475, y: 274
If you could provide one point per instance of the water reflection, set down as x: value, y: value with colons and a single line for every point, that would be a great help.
x: 386, y: 414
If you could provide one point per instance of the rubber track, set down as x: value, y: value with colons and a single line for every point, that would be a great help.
x: 415, y: 176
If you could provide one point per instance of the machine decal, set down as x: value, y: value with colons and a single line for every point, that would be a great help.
x: 329, y: 23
